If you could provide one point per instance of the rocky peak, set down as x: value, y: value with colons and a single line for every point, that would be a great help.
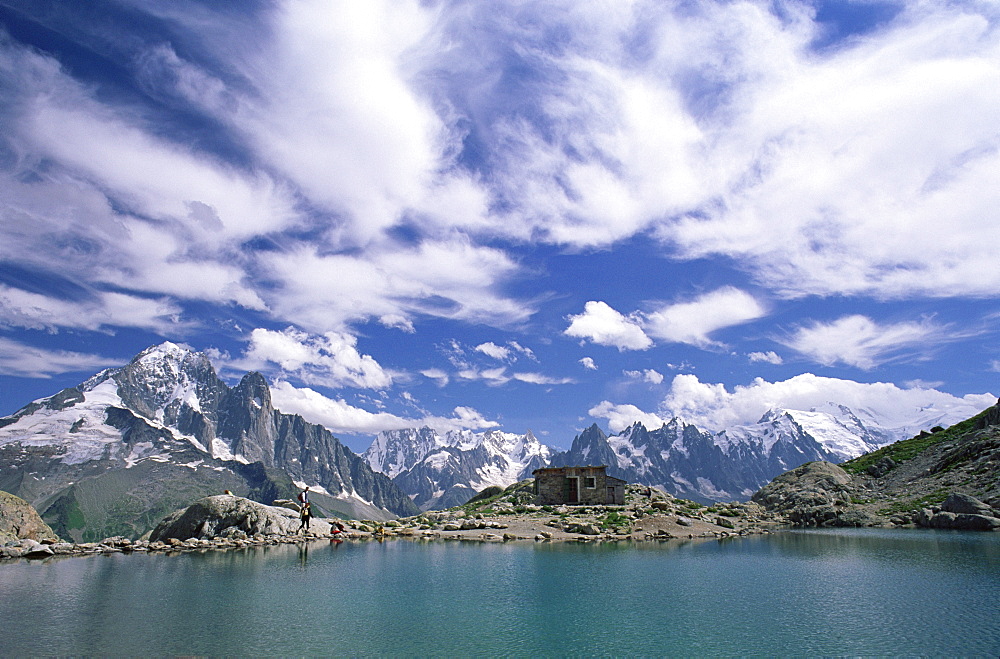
x: 168, y: 375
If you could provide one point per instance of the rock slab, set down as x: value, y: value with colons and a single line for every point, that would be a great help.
x: 226, y: 515
x: 19, y: 520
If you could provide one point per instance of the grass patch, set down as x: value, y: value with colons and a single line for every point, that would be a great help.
x: 614, y: 520
x: 913, y: 505
x: 907, y: 449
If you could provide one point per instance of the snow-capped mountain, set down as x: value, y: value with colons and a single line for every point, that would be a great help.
x: 733, y: 463
x: 439, y: 471
x: 163, y: 430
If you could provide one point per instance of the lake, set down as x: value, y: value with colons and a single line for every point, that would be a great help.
x: 865, y: 591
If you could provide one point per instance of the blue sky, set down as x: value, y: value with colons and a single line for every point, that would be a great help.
x: 517, y: 215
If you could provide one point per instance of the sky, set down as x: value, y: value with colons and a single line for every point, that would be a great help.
x: 507, y: 215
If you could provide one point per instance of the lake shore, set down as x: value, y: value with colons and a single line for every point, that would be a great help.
x: 620, y: 524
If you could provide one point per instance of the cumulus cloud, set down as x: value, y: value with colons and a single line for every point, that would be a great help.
x: 769, y: 357
x: 588, y: 363
x: 712, y: 406
x: 692, y: 322
x: 24, y: 361
x: 330, y: 360
x: 601, y: 324
x: 683, y: 322
x: 340, y: 417
x: 621, y: 417
x: 648, y: 375
x: 859, y: 341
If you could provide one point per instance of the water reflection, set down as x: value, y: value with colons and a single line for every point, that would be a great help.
x: 818, y: 592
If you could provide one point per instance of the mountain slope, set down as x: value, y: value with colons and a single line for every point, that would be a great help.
x: 115, y: 453
x: 440, y: 471
x: 936, y: 479
x: 732, y: 464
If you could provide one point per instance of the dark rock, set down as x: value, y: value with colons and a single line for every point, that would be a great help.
x: 881, y: 468
x: 943, y: 519
x: 965, y: 504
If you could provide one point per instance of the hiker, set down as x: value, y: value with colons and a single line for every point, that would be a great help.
x: 304, y: 496
x: 304, y: 516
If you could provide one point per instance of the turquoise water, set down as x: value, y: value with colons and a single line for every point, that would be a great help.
x: 796, y: 593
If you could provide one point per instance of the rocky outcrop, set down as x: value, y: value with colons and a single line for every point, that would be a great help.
x: 946, y: 478
x: 229, y: 516
x: 960, y: 511
x: 19, y: 521
x: 126, y: 447
x: 815, y: 494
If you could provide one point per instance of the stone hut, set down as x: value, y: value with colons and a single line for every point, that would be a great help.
x: 578, y: 486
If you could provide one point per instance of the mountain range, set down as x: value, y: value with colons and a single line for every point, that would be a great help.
x: 691, y: 463
x: 116, y: 453
x: 440, y: 471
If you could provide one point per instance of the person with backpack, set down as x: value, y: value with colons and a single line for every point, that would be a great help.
x: 304, y: 516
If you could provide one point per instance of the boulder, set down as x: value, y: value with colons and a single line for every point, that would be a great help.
x: 212, y: 516
x: 19, y: 520
x: 960, y: 512
x: 881, y: 468
x: 583, y: 528
x: 965, y: 504
x: 814, y: 494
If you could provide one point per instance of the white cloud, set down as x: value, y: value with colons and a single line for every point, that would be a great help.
x: 769, y: 357
x: 692, y: 322
x: 452, y: 279
x: 861, y: 342
x: 825, y: 152
x: 338, y: 102
x: 683, y: 322
x: 24, y: 361
x: 436, y: 374
x: 538, y: 378
x: 493, y: 350
x: 621, y: 417
x: 340, y: 417
x: 603, y: 325
x: 712, y: 407
x: 588, y: 363
x: 648, y: 375
x: 330, y: 360
x: 98, y: 311
x: 335, y: 414
x: 398, y: 321
x: 527, y: 352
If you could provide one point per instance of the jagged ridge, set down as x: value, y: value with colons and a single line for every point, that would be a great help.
x: 112, y: 455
